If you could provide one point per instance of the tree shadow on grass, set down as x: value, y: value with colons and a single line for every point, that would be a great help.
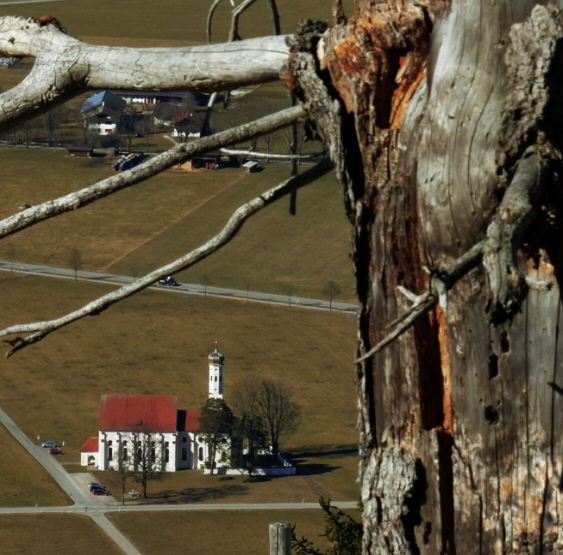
x: 326, y: 451
x: 307, y: 467
x: 197, y: 495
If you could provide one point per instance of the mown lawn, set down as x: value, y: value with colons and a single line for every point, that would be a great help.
x: 53, y: 534
x: 216, y: 533
x: 23, y: 481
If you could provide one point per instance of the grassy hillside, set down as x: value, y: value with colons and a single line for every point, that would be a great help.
x: 158, y: 342
x: 244, y: 532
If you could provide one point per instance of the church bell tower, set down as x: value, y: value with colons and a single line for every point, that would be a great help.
x: 216, y: 374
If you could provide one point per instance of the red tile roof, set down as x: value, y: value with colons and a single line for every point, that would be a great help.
x: 139, y: 413
x: 192, y: 420
x: 91, y: 444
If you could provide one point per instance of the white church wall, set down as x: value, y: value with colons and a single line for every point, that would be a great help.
x: 114, y: 446
x: 89, y: 457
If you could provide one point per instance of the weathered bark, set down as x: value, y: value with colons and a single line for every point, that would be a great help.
x: 443, y: 125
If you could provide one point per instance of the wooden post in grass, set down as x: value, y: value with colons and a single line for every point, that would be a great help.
x: 280, y: 538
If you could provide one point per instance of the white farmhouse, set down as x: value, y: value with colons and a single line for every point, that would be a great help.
x: 130, y: 423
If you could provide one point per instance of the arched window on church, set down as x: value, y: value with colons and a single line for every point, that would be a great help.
x: 125, y: 454
x: 153, y: 455
x: 166, y: 455
x: 110, y: 453
x: 201, y: 453
x: 184, y: 454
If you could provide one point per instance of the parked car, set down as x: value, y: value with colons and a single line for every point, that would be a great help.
x: 169, y: 280
x: 95, y: 485
x: 56, y: 451
x: 99, y: 491
x: 49, y: 444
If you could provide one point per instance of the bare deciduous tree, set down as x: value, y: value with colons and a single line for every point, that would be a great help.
x: 147, y: 464
x: 330, y: 291
x: 75, y: 261
x: 277, y: 410
x: 216, y: 425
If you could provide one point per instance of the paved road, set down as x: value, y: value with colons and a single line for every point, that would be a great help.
x: 92, y: 510
x: 85, y: 505
x: 13, y: 2
x: 187, y: 288
x: 59, y: 474
x: 80, y: 498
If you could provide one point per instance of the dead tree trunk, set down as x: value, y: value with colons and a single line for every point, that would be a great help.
x: 443, y: 125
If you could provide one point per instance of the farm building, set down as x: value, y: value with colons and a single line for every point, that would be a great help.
x: 103, y: 112
x: 148, y: 98
x: 250, y: 167
x: 80, y: 151
x: 128, y: 423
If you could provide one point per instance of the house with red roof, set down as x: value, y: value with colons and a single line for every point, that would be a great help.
x: 134, y: 426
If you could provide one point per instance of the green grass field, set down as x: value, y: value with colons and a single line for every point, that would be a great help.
x: 157, y: 343
x: 221, y: 532
x: 24, y: 483
x: 53, y: 534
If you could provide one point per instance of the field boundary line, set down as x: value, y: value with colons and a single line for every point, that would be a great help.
x: 172, y: 223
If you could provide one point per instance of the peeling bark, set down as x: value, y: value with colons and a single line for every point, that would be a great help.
x: 444, y: 123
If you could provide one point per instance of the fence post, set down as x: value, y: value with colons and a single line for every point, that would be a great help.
x: 280, y: 538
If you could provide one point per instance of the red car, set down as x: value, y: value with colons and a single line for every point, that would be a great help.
x: 98, y: 491
x: 56, y: 451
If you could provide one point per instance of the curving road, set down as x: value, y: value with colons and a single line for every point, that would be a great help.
x: 84, y: 504
x: 186, y: 288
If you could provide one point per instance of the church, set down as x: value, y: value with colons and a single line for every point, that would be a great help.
x: 132, y: 427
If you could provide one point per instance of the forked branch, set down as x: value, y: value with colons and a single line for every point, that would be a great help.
x: 176, y: 155
x: 66, y: 66
x: 39, y: 330
x: 237, y: 12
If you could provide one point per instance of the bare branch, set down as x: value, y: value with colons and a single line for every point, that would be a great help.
x: 406, y: 323
x: 237, y: 12
x: 176, y: 155
x: 66, y: 66
x: 40, y: 330
x: 255, y: 154
x: 210, y: 13
x: 505, y: 234
x: 275, y: 16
